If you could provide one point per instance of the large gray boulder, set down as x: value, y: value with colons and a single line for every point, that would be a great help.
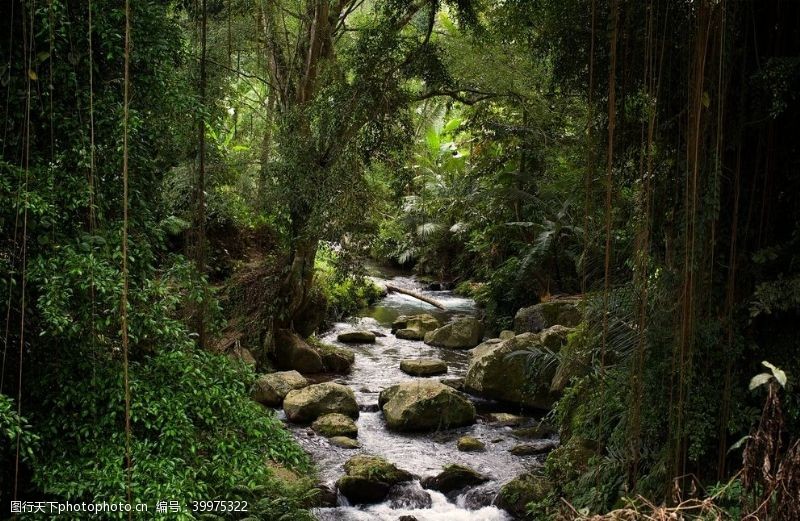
x: 423, y: 366
x: 516, y: 370
x: 547, y: 314
x: 424, y: 405
x: 414, y: 327
x: 461, y: 333
x: 307, y: 404
x: 270, y: 389
x: 292, y: 352
x: 368, y: 479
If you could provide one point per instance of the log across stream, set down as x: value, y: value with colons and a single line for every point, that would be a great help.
x: 423, y: 454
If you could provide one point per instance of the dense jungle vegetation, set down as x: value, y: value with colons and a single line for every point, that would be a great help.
x: 181, y: 181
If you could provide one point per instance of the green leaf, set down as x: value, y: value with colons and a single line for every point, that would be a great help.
x: 738, y: 443
x: 759, y: 380
x: 779, y: 375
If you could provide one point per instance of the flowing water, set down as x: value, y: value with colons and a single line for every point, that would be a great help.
x: 423, y: 454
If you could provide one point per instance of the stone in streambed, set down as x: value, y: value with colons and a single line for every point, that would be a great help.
x: 505, y: 419
x: 454, y: 477
x: 344, y: 442
x: 506, y: 334
x: 470, y: 444
x: 424, y: 405
x: 534, y: 448
x: 423, y: 366
x: 270, y: 389
x: 307, y: 404
x: 492, y: 373
x: 414, y: 327
x: 292, y: 352
x: 547, y: 314
x: 461, y: 333
x: 368, y: 479
x: 356, y: 337
x: 336, y: 359
x: 335, y: 424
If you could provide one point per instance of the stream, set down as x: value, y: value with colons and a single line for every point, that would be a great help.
x: 423, y: 454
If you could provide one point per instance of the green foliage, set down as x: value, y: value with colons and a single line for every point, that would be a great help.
x: 196, y: 435
x: 344, y: 292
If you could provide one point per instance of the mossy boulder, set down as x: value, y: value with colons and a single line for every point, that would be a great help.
x: 356, y: 337
x: 515, y: 495
x: 292, y: 352
x: 414, y: 327
x: 461, y: 333
x: 344, y: 442
x: 424, y: 405
x: 368, y: 479
x: 335, y: 424
x: 423, y: 366
x: 506, y: 334
x: 504, y: 371
x: 470, y: 444
x: 547, y: 314
x: 454, y: 477
x: 307, y: 404
x: 336, y: 359
x: 270, y: 389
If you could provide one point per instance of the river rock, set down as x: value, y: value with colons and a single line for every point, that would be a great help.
x: 515, y: 495
x: 270, y: 389
x: 409, y: 496
x: 470, y: 444
x: 455, y: 383
x: 336, y: 359
x: 307, y: 404
x: 547, y: 314
x: 533, y: 448
x: 506, y: 334
x: 368, y: 479
x: 344, y: 442
x: 357, y: 337
x: 425, y: 405
x: 492, y: 373
x: 506, y: 419
x: 292, y: 352
x: 414, y: 327
x: 454, y: 477
x: 423, y: 366
x: 325, y: 496
x: 335, y: 424
x: 462, y: 333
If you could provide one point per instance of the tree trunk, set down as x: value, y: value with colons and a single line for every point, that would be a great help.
x: 295, y: 287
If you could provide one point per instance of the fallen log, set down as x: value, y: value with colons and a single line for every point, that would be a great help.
x: 418, y: 296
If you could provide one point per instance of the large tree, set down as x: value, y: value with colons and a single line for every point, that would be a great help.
x: 337, y: 70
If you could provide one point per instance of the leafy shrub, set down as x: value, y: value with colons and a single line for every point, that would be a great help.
x: 344, y: 291
x: 195, y: 435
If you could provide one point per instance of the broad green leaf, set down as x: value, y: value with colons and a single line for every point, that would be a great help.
x: 759, y: 380
x: 778, y: 373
